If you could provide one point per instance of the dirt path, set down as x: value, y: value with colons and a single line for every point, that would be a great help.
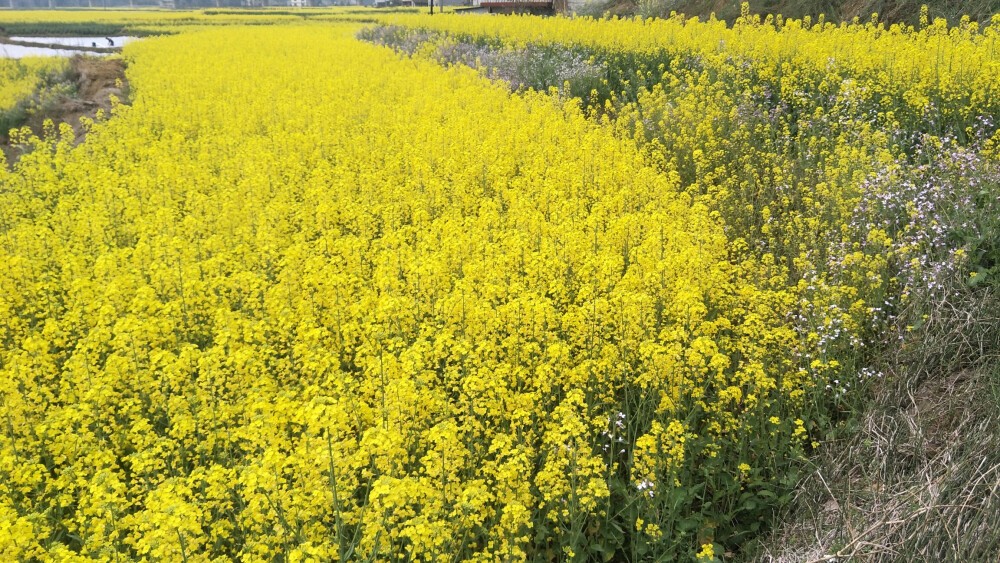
x: 96, y: 80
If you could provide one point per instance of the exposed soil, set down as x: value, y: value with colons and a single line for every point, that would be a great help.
x: 95, y: 80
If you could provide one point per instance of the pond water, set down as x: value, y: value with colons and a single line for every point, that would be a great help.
x: 78, y: 41
x: 19, y: 51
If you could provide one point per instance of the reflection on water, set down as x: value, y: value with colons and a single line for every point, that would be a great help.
x: 19, y: 51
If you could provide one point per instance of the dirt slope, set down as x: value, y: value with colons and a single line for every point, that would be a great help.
x: 95, y: 81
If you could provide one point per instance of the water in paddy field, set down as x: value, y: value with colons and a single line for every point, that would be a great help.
x: 78, y: 41
x: 20, y: 51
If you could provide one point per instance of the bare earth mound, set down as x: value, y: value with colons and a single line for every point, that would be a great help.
x: 96, y: 80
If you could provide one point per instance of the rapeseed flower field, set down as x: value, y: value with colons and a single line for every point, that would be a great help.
x: 21, y: 80
x: 306, y: 298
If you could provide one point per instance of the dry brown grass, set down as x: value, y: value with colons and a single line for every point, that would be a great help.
x: 918, y: 479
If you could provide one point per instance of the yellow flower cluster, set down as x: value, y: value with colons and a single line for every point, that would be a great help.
x: 21, y: 79
x: 307, y: 299
x: 952, y: 72
x: 775, y: 121
x: 346, y: 304
x: 790, y: 132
